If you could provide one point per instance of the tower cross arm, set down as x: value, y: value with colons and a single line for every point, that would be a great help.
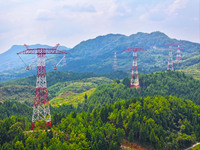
x: 170, y: 44
x: 42, y: 50
x: 134, y: 49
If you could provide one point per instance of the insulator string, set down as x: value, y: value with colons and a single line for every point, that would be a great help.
x: 23, y: 60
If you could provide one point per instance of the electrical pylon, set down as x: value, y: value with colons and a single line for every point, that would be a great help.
x: 41, y: 110
x: 170, y: 59
x: 178, y: 54
x: 134, y: 73
x: 115, y: 60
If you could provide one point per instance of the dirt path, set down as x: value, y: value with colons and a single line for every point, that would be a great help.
x: 127, y: 145
x: 192, y: 146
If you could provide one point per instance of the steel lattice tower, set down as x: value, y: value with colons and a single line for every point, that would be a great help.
x: 170, y: 59
x: 115, y: 60
x: 178, y: 54
x: 41, y: 110
x: 134, y: 73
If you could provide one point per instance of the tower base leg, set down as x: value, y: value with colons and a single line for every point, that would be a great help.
x: 32, y: 126
x: 48, y: 124
x: 135, y: 85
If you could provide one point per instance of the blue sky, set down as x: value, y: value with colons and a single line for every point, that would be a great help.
x: 69, y: 22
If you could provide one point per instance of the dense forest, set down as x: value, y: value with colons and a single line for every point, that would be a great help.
x: 159, y: 83
x: 162, y: 114
x: 157, y: 122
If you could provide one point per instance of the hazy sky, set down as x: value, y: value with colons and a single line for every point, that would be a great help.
x: 69, y: 22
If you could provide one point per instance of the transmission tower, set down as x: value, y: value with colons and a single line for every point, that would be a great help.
x: 170, y: 59
x: 41, y: 110
x: 178, y: 54
x: 115, y: 60
x: 134, y: 73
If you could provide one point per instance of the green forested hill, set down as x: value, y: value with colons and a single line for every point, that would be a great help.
x: 59, y: 76
x: 160, y: 83
x: 57, y: 82
x: 68, y: 92
x: 18, y: 93
x: 157, y: 122
x: 9, y: 108
x: 24, y: 89
x: 157, y: 115
x: 52, y: 78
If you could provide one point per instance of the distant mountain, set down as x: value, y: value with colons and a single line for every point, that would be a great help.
x: 95, y: 55
x: 11, y: 66
x: 10, y: 60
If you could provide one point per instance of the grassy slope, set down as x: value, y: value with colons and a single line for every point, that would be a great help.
x: 60, y: 93
x: 192, y: 72
x: 68, y: 98
x: 17, y: 93
x: 74, y: 92
x: 58, y: 82
x: 190, y: 65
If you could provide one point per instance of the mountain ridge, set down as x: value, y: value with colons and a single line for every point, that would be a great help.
x: 95, y: 55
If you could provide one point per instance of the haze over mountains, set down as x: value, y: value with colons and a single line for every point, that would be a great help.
x: 95, y: 55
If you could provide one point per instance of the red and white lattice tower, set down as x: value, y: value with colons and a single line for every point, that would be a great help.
x: 41, y: 110
x: 170, y: 59
x: 115, y: 60
x: 134, y: 73
x: 178, y: 54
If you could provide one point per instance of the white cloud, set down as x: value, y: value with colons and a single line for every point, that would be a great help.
x: 155, y: 13
x: 71, y: 21
x: 195, y: 19
x: 176, y: 5
x: 44, y: 14
x: 164, y: 11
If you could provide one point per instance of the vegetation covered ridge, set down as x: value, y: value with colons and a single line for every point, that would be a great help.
x: 159, y: 83
x: 156, y: 122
